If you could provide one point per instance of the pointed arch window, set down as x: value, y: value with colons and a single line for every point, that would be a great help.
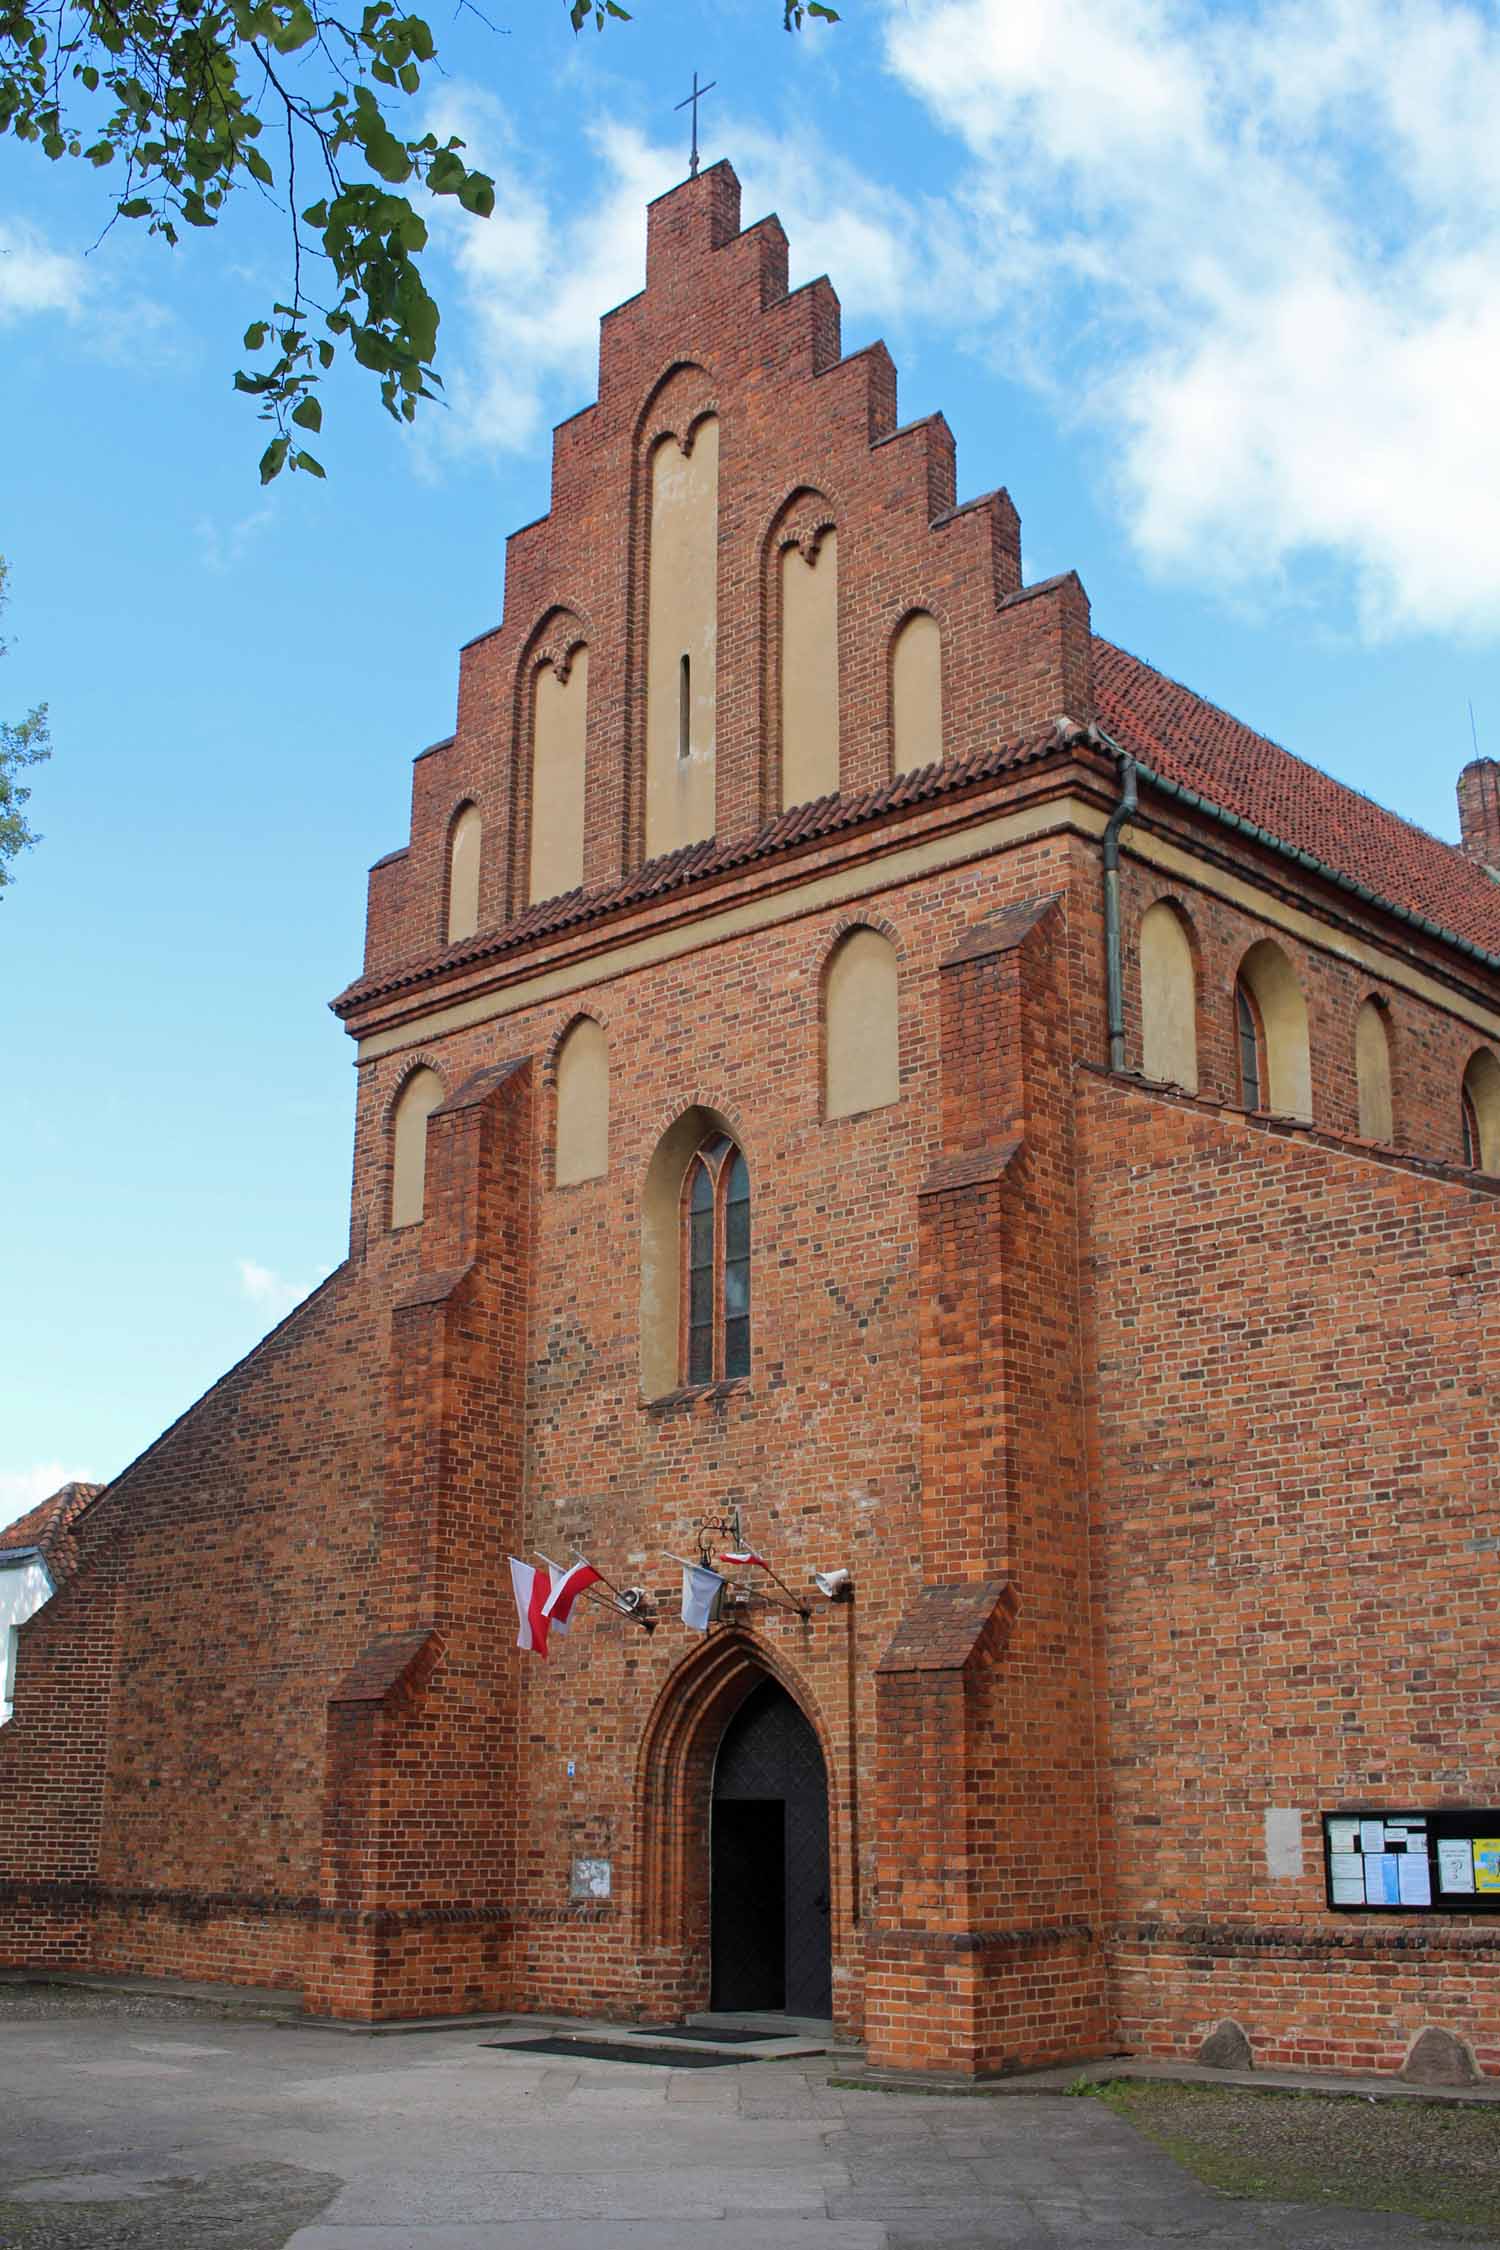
x: 1251, y: 1046
x: 716, y: 1252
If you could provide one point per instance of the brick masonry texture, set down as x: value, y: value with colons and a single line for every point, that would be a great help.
x: 1158, y: 1439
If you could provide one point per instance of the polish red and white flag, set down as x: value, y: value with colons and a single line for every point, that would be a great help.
x: 567, y: 1585
x: 531, y: 1589
x: 742, y: 1558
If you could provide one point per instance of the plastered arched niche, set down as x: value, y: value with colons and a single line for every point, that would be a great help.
x: 917, y: 694
x: 465, y: 849
x: 1372, y: 1064
x: 861, y: 1025
x: 415, y: 1103
x: 810, y: 669
x: 1283, y: 1015
x: 582, y: 1104
x: 1482, y: 1091
x: 682, y: 639
x: 559, y: 725
x: 1169, y: 998
x: 661, y: 1246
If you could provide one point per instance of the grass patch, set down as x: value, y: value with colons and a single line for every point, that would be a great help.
x: 1428, y: 2160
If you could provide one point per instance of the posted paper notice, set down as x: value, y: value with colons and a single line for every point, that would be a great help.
x: 1414, y: 1882
x: 1455, y: 1864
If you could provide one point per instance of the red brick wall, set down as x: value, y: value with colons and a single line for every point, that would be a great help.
x: 1430, y: 1048
x: 1293, y: 1372
x: 166, y: 1756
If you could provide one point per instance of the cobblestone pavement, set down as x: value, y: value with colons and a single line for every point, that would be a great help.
x: 168, y: 2131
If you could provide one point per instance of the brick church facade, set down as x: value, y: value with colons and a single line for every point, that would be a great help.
x: 849, y: 1052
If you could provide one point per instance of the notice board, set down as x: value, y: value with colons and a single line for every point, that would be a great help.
x: 1412, y: 1862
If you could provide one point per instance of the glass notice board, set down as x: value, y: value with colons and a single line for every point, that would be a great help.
x: 1412, y: 1862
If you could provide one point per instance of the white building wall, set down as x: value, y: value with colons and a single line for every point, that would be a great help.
x: 24, y: 1586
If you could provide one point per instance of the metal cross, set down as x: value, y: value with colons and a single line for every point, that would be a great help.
x: 694, y: 98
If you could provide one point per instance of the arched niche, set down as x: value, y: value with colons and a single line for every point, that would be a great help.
x: 916, y: 693
x: 415, y: 1103
x: 682, y: 638
x: 582, y: 1138
x: 559, y: 732
x: 465, y: 851
x: 1372, y: 1067
x: 1169, y: 997
x: 861, y: 1025
x: 808, y: 611
x: 662, y: 1259
x: 1271, y: 984
x: 1481, y: 1094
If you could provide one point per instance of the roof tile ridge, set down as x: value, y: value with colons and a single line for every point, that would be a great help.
x: 1362, y: 796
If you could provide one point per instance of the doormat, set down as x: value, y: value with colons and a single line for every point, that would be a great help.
x: 610, y: 2050
x: 730, y: 2035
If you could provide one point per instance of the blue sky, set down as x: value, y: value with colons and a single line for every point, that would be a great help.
x: 1215, y: 292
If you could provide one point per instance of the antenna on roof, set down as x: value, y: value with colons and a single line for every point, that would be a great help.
x: 1473, y: 730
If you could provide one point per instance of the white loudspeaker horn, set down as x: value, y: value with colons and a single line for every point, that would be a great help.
x: 833, y: 1585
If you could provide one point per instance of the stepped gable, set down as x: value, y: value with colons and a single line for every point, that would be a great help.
x: 49, y: 1528
x: 1194, y: 743
x: 808, y: 439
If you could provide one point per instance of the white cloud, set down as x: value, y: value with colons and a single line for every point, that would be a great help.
x: 24, y: 1489
x: 1261, y: 252
x: 34, y: 278
x: 223, y: 546
x: 271, y: 1293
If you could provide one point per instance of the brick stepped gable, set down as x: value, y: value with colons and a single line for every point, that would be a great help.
x: 715, y: 330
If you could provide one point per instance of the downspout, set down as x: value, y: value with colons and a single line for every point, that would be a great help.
x: 1114, y: 973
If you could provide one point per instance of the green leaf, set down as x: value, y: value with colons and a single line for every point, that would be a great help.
x: 255, y: 336
x: 308, y: 414
x: 137, y: 208
x: 306, y: 461
x: 273, y: 460
x: 478, y: 194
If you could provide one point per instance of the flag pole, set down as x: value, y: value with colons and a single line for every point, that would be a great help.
x: 803, y: 1609
x: 616, y: 1608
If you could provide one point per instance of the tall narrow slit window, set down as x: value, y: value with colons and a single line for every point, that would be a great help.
x: 716, y: 1212
x: 1247, y: 1025
x: 685, y: 708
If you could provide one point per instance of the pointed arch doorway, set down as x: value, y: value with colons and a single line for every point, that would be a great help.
x: 769, y: 1887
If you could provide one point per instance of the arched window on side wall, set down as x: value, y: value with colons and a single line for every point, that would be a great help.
x: 1271, y: 1034
x: 1169, y: 999
x: 582, y: 1104
x: 716, y: 1255
x: 861, y: 1025
x: 465, y: 845
x: 1372, y: 1063
x: 415, y: 1103
x: 916, y: 694
x: 1481, y: 1112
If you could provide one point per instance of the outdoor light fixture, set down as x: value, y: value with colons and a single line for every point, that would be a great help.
x: 834, y: 1585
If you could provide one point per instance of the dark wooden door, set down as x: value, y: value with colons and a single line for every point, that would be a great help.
x: 771, y: 1932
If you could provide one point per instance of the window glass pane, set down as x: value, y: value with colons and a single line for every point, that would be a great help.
x: 700, y: 1355
x: 737, y: 1269
x: 736, y: 1347
x: 1249, y: 1049
x: 737, y: 1289
x: 703, y: 1190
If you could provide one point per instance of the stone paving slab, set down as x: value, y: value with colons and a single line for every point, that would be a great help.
x: 159, y: 2134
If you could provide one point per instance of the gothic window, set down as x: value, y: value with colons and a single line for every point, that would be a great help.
x: 465, y: 839
x: 418, y: 1098
x: 716, y: 1251
x: 1169, y: 999
x: 1251, y: 1046
x: 1481, y: 1112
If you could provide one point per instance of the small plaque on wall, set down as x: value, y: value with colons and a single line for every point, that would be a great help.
x: 591, y: 1879
x: 1412, y: 1862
